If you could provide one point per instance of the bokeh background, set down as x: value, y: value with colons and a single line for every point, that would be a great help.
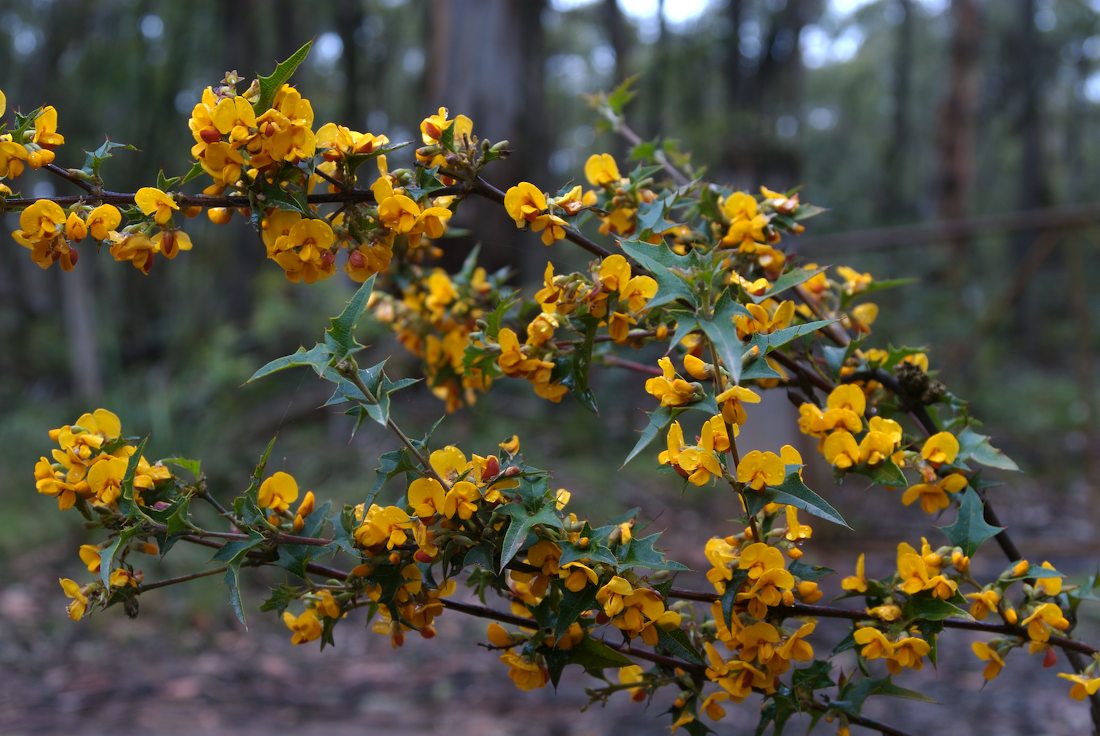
x: 953, y: 141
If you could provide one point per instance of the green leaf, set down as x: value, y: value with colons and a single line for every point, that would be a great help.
x: 795, y: 493
x: 108, y: 554
x: 194, y: 172
x: 618, y: 98
x: 271, y: 84
x: 853, y: 695
x: 572, y: 606
x: 593, y: 654
x: 970, y: 528
x: 640, y: 552
x: 779, y: 338
x: 667, y: 268
x: 651, y: 216
x: 390, y: 464
x: 521, y: 522
x: 835, y: 356
x: 721, y: 332
x: 318, y: 358
x: 931, y: 609
x: 817, y: 676
x: 678, y: 644
x: 194, y: 467
x: 236, y: 549
x: 789, y: 280
x: 804, y: 571
x: 976, y: 447
x: 659, y: 419
x: 126, y: 501
x: 233, y: 554
x: 93, y: 160
x: 341, y: 332
x: 579, y: 365
x: 889, y: 474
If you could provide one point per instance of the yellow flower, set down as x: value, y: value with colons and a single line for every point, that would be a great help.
x: 89, y: 555
x: 601, y: 170
x: 278, y: 491
x: 102, y: 220
x: 985, y: 602
x: 45, y: 130
x: 854, y: 281
x: 153, y: 201
x: 170, y: 241
x: 758, y: 469
x: 79, y: 603
x: 795, y: 530
x: 1082, y: 687
x: 732, y: 401
x: 51, y: 482
x: 632, y: 675
x: 933, y: 496
x: 612, y: 595
x: 614, y: 272
x: 698, y: 369
x: 305, y: 250
x: 697, y: 463
x: 916, y: 575
x: 13, y: 158
x: 875, y: 645
x: 578, y: 576
x: 305, y: 626
x: 1043, y: 620
x: 993, y: 659
x: 305, y: 508
x: 526, y: 673
x: 796, y: 648
x: 134, y: 247
x: 42, y: 231
x: 747, y: 223
x: 847, y: 396
x: 433, y: 127
x: 1050, y: 586
x: 940, y: 448
x: 524, y: 203
x: 389, y: 525
x: 337, y: 142
x: 669, y: 388
x: 285, y: 131
x: 841, y: 450
x: 105, y: 479
x: 856, y: 583
x: 885, y: 612
x: 909, y: 653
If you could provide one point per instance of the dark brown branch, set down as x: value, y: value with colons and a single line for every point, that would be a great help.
x: 807, y: 609
x: 181, y: 579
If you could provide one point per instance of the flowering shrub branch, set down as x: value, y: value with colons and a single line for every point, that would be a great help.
x: 689, y: 266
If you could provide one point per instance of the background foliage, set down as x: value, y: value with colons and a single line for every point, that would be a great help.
x: 888, y: 112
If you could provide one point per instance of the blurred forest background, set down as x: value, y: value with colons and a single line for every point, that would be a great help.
x: 954, y: 141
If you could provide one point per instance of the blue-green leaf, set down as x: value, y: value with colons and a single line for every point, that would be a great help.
x: 722, y: 333
x: 318, y: 358
x: 667, y: 268
x: 271, y: 84
x: 976, y: 447
x: 795, y: 493
x: 970, y: 528
x: 340, y: 335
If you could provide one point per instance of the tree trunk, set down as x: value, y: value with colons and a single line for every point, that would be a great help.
x: 955, y: 136
x: 892, y: 205
x: 492, y: 79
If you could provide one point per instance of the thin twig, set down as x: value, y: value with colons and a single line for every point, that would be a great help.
x: 181, y: 579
